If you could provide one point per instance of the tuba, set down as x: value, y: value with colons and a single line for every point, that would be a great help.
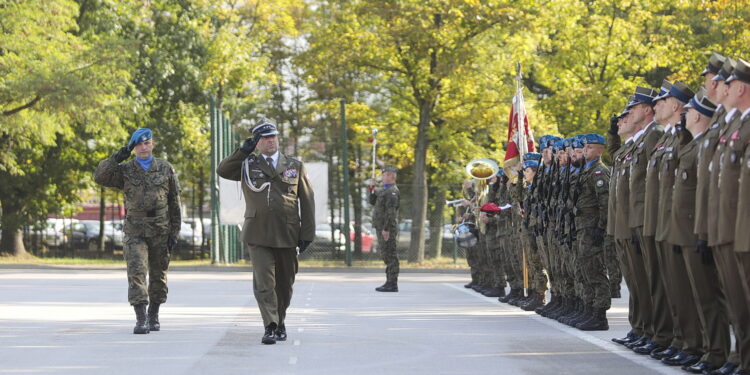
x: 481, y: 170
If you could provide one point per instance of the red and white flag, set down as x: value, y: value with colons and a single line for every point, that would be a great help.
x: 520, y: 138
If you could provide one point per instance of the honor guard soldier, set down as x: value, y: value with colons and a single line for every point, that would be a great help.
x: 152, y: 222
x: 386, y: 202
x: 591, y: 224
x: 279, y: 219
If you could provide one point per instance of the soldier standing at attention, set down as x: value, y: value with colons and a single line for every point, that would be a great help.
x: 279, y: 218
x: 591, y: 227
x: 385, y: 220
x: 152, y: 222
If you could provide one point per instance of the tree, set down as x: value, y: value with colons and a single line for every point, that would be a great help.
x: 57, y: 91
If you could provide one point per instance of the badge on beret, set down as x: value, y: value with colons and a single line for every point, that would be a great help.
x: 684, y: 175
x: 290, y: 173
x: 600, y: 183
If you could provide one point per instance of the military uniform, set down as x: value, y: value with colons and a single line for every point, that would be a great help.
x: 152, y: 224
x: 279, y: 216
x: 386, y: 202
x: 591, y: 221
x: 152, y: 206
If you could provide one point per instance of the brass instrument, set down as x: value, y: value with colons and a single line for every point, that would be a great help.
x: 455, y: 202
x: 481, y: 170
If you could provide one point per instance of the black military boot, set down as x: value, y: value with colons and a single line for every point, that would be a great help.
x: 467, y: 286
x: 574, y: 306
x: 513, y: 293
x: 554, y: 301
x: 598, y: 322
x: 536, y: 302
x: 564, y: 308
x: 502, y: 292
x: 517, y: 299
x: 491, y: 292
x: 388, y: 287
x: 552, y: 312
x: 281, y: 332
x: 585, y: 315
x: 269, y: 337
x: 575, y: 314
x: 141, y: 320
x: 153, y: 317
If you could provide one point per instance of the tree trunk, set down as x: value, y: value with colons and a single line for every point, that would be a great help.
x: 436, y: 222
x: 102, y: 212
x: 12, y: 236
x: 419, y: 215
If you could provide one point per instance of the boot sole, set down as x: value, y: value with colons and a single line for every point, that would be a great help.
x: 268, y: 342
x: 140, y: 332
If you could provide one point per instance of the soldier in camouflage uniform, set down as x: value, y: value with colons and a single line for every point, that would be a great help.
x: 513, y: 246
x: 491, y: 219
x: 534, y: 226
x: 386, y: 201
x: 152, y: 222
x: 591, y: 223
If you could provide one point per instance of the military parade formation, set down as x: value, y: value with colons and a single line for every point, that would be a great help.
x: 670, y: 216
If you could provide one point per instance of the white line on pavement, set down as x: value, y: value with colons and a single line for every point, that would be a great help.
x: 297, y: 342
x: 608, y: 346
x: 292, y: 360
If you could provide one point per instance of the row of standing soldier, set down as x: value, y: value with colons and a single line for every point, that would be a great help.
x: 677, y: 216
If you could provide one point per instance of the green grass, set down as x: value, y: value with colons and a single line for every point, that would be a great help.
x: 432, y: 263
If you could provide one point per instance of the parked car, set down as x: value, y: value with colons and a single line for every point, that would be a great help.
x: 323, y: 240
x: 404, y: 234
x: 55, y: 233
x: 368, y: 236
x: 85, y: 234
x: 191, y: 235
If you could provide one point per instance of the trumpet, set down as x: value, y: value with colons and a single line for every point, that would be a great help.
x: 455, y: 202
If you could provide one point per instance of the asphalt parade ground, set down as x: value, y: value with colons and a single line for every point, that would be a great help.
x: 60, y: 321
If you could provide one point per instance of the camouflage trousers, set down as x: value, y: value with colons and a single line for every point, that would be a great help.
x: 537, y: 278
x: 389, y: 255
x: 495, y: 253
x: 146, y: 256
x: 594, y: 271
x: 510, y: 249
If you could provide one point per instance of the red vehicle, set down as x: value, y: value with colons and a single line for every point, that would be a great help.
x: 368, y: 238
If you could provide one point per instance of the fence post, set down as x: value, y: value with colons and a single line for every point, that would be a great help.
x: 345, y: 166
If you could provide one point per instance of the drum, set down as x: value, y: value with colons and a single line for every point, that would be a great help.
x: 466, y: 235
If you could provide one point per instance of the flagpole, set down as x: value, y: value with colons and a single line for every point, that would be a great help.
x: 523, y: 146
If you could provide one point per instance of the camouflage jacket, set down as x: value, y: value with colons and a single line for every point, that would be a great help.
x: 386, y: 203
x: 591, y: 205
x: 152, y: 197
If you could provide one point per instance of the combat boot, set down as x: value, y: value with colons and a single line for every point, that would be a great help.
x: 491, y: 292
x: 536, y: 302
x: 153, y: 317
x: 553, y: 303
x: 598, y: 322
x: 141, y: 320
x: 585, y: 314
x: 516, y: 299
x: 573, y: 312
x: 513, y: 293
x: 567, y: 306
x: 502, y: 291
x: 552, y: 312
x: 388, y: 287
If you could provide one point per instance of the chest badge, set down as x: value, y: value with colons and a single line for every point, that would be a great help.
x: 290, y: 173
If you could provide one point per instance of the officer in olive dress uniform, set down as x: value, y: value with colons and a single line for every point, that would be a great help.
x: 704, y: 281
x: 386, y: 202
x: 152, y: 222
x: 279, y: 219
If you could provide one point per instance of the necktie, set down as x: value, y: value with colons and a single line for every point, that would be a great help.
x: 270, y: 161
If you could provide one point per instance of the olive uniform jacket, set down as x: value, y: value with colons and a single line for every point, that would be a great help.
x: 385, y: 215
x: 281, y: 214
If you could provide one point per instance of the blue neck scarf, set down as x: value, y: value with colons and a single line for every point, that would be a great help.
x: 386, y: 186
x: 145, y: 163
x: 588, y: 163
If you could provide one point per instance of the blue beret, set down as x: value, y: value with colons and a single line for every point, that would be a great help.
x: 532, y: 156
x: 531, y: 164
x: 594, y: 139
x: 552, y: 140
x: 500, y: 172
x: 577, y: 142
x: 558, y: 145
x: 140, y: 135
x: 265, y: 129
x: 543, y: 141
